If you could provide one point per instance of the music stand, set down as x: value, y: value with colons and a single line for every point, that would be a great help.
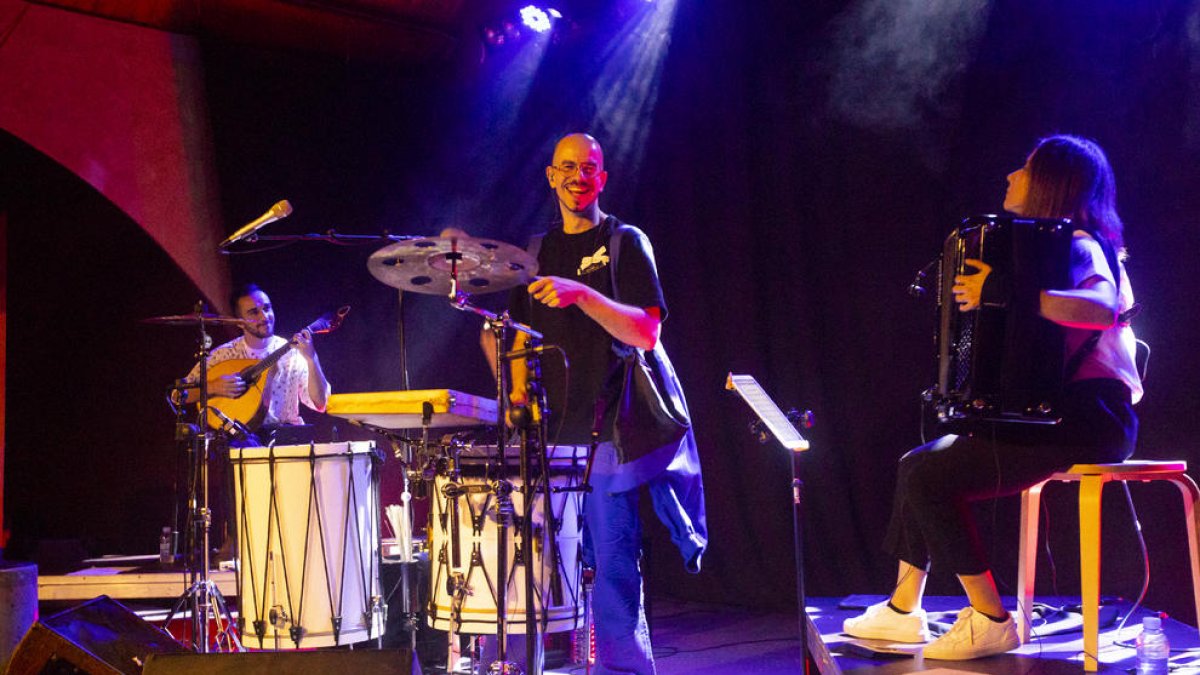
x: 772, y: 420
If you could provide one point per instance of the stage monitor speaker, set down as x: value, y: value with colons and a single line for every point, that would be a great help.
x: 99, y: 637
x: 358, y: 662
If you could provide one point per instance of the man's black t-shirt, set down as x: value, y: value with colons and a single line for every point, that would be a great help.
x: 584, y: 257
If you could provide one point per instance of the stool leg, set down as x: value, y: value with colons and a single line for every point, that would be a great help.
x: 1090, y: 489
x: 1031, y: 501
x: 1191, y: 498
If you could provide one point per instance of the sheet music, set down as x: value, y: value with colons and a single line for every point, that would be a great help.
x: 766, y: 409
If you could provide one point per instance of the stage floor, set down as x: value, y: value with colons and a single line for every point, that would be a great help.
x: 703, y: 639
x: 700, y: 639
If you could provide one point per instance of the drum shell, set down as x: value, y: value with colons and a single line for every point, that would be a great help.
x: 477, y: 535
x: 308, y: 520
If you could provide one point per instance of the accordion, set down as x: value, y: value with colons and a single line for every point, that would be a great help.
x: 1002, y: 362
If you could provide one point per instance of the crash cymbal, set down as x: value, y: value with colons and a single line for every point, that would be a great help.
x: 194, y: 319
x: 427, y: 265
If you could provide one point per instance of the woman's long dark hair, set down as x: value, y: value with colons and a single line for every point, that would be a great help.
x: 1070, y: 177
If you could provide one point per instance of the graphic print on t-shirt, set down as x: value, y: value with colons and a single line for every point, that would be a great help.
x: 593, y: 262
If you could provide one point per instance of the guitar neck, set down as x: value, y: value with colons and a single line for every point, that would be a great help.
x: 766, y: 409
x: 325, y: 324
x: 255, y: 371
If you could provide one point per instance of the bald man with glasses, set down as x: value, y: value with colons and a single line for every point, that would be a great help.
x: 575, y: 305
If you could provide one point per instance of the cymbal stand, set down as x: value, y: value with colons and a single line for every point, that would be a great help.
x: 202, y: 597
x: 499, y: 324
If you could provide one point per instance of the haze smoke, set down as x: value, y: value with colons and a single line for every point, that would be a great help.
x: 896, y: 61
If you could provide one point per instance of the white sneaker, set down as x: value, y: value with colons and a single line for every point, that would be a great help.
x: 973, y: 636
x: 881, y: 622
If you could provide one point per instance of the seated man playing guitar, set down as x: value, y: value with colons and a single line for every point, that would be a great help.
x: 256, y: 381
x: 240, y: 391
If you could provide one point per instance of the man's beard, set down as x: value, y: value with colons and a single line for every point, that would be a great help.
x: 260, y: 332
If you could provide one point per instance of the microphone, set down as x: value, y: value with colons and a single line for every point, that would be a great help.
x: 523, y: 353
x: 232, y: 426
x: 280, y: 210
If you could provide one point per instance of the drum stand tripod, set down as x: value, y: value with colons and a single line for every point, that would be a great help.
x: 203, y: 598
x: 402, y: 527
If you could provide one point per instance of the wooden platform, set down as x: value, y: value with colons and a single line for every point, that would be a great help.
x: 125, y: 583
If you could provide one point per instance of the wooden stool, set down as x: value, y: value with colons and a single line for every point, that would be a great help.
x: 1091, y: 479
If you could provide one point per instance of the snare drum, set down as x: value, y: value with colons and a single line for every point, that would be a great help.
x: 308, y: 537
x: 463, y: 548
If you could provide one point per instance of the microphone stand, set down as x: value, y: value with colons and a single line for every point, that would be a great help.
x: 531, y: 420
x: 330, y: 236
x: 498, y: 324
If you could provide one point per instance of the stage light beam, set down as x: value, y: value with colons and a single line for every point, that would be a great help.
x: 626, y: 90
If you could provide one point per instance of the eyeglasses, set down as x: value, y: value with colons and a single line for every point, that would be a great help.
x: 587, y: 169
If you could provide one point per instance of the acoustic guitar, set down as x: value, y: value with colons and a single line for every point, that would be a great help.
x: 248, y: 409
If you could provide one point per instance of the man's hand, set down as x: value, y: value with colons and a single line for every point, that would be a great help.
x: 968, y: 288
x: 558, y: 292
x: 515, y: 400
x: 229, y: 386
x: 303, y: 343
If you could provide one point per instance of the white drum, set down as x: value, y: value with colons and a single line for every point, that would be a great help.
x: 463, y: 547
x: 308, y: 538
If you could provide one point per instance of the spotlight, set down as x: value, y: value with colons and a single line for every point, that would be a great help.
x: 511, y: 30
x: 506, y: 32
x: 535, y: 18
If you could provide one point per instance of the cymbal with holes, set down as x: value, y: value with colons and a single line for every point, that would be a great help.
x: 430, y: 265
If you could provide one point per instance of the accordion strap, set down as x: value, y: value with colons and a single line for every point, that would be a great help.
x: 1123, y: 319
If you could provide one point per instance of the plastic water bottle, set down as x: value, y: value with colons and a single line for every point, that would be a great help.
x: 166, y: 548
x: 1153, y: 650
